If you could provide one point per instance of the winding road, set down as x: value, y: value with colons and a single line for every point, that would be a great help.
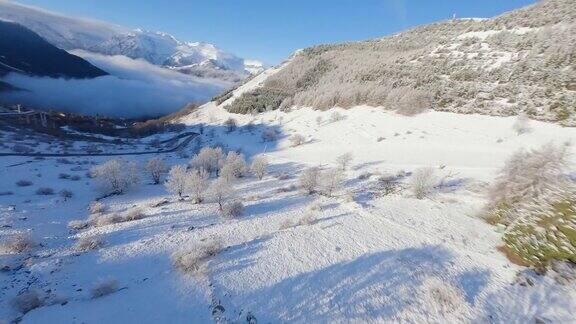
x: 188, y: 137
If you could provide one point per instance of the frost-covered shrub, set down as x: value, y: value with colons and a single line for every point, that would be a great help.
x: 259, y: 166
x: 44, y: 191
x: 103, y: 220
x: 104, y: 287
x: 534, y: 198
x: 230, y: 125
x: 234, y: 166
x: 297, y: 140
x: 522, y: 124
x: 344, y: 160
x: 444, y: 297
x: 233, y: 209
x: 408, y: 101
x: 134, y: 214
x: 176, y: 183
x: 269, y: 135
x: 330, y: 181
x: 63, y: 176
x: 115, y: 176
x: 96, y: 207
x: 308, y: 180
x: 526, y: 176
x: 544, y: 231
x: 197, y: 184
x: 193, y: 260
x: 66, y: 194
x: 423, y: 182
x: 18, y: 243
x: 23, y: 183
x: 336, y: 117
x: 78, y: 224
x: 156, y: 168
x: 89, y: 243
x: 27, y: 301
x: 209, y: 159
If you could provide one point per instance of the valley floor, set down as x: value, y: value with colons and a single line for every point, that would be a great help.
x: 359, y: 256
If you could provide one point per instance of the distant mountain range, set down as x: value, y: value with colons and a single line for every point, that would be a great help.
x: 521, y: 62
x: 23, y: 51
x: 194, y: 58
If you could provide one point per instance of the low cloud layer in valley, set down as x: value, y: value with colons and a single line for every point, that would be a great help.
x: 135, y: 88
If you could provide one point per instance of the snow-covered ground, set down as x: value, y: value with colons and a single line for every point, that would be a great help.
x: 356, y: 257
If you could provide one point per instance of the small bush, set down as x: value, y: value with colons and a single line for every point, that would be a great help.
x: 45, y: 191
x: 104, y: 287
x: 66, y: 194
x: 344, y: 160
x: 336, y: 116
x: 90, y: 243
x: 331, y: 181
x: 297, y: 140
x: 77, y: 224
x: 309, y: 180
x: 27, y: 301
x: 193, y: 260
x: 544, y: 231
x: 522, y: 124
x: 423, y: 182
x: 230, y: 125
x: 269, y: 135
x: 16, y: 244
x: 233, y: 209
x: 75, y: 177
x: 445, y: 297
x: 134, y: 214
x: 6, y: 193
x: 63, y: 176
x: 96, y: 207
x: 24, y: 183
x: 103, y: 220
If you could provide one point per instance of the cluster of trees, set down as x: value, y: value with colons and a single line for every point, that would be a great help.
x: 193, y: 180
x: 440, y: 66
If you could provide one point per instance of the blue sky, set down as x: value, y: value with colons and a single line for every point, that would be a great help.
x: 269, y: 30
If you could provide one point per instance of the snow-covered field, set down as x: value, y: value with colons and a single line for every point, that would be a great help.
x: 356, y: 257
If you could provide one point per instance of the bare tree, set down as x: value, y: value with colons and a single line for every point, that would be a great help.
x: 344, y: 160
x: 309, y: 180
x: 196, y: 184
x: 156, y: 168
x: 176, y: 183
x: 234, y: 166
x: 221, y: 192
x: 259, y: 166
x: 331, y: 180
x: 116, y: 176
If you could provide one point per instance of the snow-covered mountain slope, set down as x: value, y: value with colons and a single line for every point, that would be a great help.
x: 522, y: 61
x: 23, y: 51
x: 358, y: 256
x: 157, y: 48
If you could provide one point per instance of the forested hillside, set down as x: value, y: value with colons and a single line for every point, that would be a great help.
x: 520, y: 62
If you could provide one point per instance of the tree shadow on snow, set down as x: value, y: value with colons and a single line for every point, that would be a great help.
x: 376, y: 286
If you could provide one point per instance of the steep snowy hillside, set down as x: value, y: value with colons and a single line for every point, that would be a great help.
x: 104, y: 38
x: 522, y: 61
